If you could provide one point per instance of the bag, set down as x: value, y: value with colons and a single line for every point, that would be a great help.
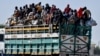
x: 91, y: 22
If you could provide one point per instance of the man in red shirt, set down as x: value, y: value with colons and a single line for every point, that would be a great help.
x: 80, y: 13
x: 67, y: 9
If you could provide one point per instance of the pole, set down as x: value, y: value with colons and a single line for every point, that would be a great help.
x: 1, y: 52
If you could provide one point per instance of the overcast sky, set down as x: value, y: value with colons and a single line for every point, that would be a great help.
x: 7, y: 8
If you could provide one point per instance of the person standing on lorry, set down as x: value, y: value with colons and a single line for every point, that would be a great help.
x: 86, y: 14
x: 16, y: 14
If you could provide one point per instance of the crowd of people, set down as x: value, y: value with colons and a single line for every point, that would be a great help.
x: 36, y: 14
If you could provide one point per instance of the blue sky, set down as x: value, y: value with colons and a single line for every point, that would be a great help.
x: 7, y: 8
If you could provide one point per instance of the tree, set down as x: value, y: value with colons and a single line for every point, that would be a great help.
x: 2, y: 26
x: 97, y: 50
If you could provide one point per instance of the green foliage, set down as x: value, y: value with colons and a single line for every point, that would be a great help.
x: 2, y: 26
x: 97, y: 50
